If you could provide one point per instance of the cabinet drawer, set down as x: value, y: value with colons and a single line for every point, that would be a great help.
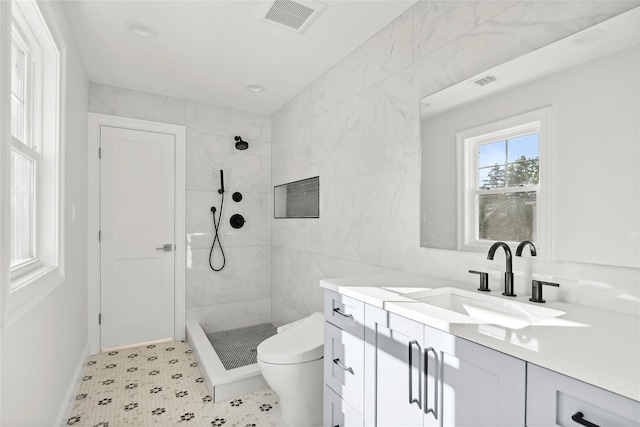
x: 338, y: 413
x: 553, y: 399
x: 344, y: 312
x: 344, y: 365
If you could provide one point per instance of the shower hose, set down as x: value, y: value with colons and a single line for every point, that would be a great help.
x: 216, y: 238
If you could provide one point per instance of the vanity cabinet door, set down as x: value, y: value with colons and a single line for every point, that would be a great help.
x: 427, y: 377
x: 393, y: 346
x: 554, y: 399
x: 476, y: 386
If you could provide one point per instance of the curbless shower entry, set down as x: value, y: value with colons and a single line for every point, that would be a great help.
x: 232, y: 370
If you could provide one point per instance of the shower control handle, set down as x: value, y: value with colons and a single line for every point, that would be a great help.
x: 168, y: 247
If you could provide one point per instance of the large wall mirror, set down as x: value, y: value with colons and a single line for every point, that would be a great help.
x: 545, y: 147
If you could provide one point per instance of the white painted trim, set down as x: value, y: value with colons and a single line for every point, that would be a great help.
x: 466, y: 223
x: 23, y: 294
x: 72, y: 389
x: 5, y: 164
x: 93, y: 261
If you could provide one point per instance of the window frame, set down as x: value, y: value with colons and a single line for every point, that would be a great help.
x: 29, y: 147
x: 467, y: 142
x: 31, y: 281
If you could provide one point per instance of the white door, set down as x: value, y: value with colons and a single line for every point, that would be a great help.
x: 137, y: 236
x: 398, y: 370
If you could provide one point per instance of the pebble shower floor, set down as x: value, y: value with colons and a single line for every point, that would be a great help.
x: 161, y: 385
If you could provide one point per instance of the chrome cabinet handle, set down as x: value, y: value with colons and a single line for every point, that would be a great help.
x: 433, y: 410
x: 340, y: 364
x: 579, y: 418
x: 168, y: 247
x: 348, y: 316
x: 411, y: 398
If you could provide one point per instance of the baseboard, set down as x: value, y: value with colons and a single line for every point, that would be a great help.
x: 72, y: 389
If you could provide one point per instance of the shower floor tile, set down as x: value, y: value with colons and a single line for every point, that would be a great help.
x: 161, y: 385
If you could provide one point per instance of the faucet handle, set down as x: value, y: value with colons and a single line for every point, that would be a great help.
x: 536, y: 289
x: 484, y: 280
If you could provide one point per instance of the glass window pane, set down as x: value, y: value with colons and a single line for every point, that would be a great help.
x: 523, y: 173
x: 17, y: 70
x: 492, y: 153
x: 492, y: 177
x: 22, y: 207
x: 18, y: 77
x: 507, y: 216
x: 17, y: 119
x: 523, y: 147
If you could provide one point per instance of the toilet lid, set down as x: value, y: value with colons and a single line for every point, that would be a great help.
x: 302, y: 342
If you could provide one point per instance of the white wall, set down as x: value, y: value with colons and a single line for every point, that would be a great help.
x: 357, y: 127
x: 43, y: 348
x: 240, y: 294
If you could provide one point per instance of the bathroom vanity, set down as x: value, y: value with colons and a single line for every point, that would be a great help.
x: 395, y: 356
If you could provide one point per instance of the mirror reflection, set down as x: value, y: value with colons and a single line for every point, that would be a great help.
x: 543, y: 148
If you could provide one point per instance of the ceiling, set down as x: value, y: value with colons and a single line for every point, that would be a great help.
x: 209, y: 51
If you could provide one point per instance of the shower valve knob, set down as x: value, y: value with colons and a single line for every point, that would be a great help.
x: 237, y: 221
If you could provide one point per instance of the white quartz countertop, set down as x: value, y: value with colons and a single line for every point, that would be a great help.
x: 598, y: 347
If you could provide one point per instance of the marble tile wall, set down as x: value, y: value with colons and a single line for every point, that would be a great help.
x: 240, y: 294
x: 357, y: 127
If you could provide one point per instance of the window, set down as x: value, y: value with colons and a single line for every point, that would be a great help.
x: 505, y: 175
x: 34, y: 146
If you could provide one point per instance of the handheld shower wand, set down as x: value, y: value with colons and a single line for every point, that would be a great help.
x: 216, y: 226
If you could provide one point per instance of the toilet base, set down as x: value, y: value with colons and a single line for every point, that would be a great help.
x: 299, y: 387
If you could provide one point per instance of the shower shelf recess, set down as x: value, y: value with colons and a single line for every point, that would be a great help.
x: 298, y: 199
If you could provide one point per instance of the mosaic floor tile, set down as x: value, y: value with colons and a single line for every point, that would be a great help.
x: 161, y: 385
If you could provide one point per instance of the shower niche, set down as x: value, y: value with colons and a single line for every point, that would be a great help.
x: 298, y: 199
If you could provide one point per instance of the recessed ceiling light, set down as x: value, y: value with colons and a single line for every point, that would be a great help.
x: 589, y: 36
x: 255, y: 88
x: 141, y: 30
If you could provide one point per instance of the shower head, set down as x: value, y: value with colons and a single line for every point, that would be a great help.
x: 240, y: 144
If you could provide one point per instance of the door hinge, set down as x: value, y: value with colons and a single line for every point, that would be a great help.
x: 99, y: 318
x: 99, y: 235
x: 99, y: 152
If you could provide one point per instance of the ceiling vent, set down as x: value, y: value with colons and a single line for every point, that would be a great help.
x: 485, y: 80
x: 295, y: 16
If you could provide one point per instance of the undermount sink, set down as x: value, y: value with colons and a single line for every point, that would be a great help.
x: 486, y: 308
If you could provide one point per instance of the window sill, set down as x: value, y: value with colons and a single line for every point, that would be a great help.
x: 29, y: 289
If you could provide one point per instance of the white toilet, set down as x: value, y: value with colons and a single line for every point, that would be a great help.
x: 292, y: 364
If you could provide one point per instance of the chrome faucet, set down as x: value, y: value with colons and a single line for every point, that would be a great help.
x: 508, y: 275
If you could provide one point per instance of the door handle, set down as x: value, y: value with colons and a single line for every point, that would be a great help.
x: 168, y: 247
x: 433, y: 410
x: 343, y: 366
x: 337, y: 311
x: 579, y: 418
x: 413, y: 400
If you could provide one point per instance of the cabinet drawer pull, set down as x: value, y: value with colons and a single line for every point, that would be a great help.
x: 579, y: 418
x: 348, y: 316
x: 433, y: 410
x: 340, y: 364
x: 411, y: 399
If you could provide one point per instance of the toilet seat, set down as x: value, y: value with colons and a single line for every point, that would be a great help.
x: 303, y: 342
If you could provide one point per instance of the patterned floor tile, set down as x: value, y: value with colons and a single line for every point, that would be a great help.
x: 162, y: 385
